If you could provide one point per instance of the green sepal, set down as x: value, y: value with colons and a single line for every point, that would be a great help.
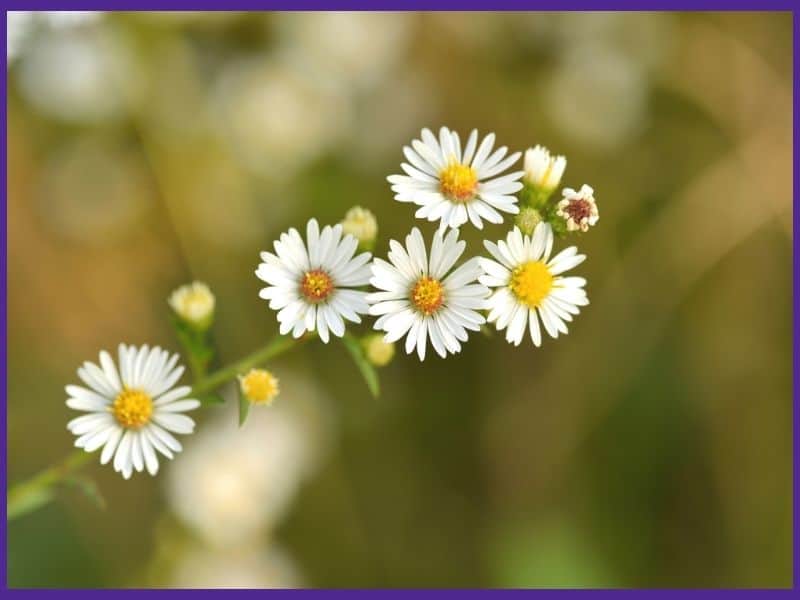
x: 197, y: 345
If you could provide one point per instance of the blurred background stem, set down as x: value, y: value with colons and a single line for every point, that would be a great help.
x: 36, y: 492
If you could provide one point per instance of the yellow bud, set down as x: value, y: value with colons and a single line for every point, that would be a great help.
x: 378, y: 352
x: 259, y: 386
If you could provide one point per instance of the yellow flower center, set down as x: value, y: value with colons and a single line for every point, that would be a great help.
x: 531, y: 282
x: 427, y: 295
x: 458, y: 182
x: 316, y: 286
x: 259, y: 386
x: 132, y: 408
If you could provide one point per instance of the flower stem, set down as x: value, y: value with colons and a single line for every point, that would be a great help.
x: 34, y: 493
x: 37, y: 491
x: 276, y: 346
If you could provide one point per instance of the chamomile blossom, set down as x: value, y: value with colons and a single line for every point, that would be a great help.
x: 308, y: 282
x: 134, y: 410
x: 418, y: 299
x: 453, y: 186
x: 528, y: 285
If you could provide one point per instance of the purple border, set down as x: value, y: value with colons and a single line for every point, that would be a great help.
x: 443, y: 5
x: 412, y: 5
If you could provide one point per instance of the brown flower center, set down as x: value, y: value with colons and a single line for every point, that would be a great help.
x: 316, y: 285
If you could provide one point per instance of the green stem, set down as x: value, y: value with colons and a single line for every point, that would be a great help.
x: 37, y: 491
x: 278, y: 345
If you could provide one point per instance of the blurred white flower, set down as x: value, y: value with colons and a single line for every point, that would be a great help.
x: 352, y: 48
x: 79, y: 74
x: 18, y: 25
x: 247, y: 567
x: 597, y: 97
x: 278, y: 118
x: 21, y: 23
x: 362, y: 225
x: 194, y: 303
x: 100, y: 209
x: 643, y: 37
x: 234, y: 484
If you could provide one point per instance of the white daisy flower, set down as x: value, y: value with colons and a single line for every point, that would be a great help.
x: 578, y: 209
x: 452, y: 186
x: 308, y: 284
x: 419, y: 300
x: 133, y: 411
x: 529, y: 285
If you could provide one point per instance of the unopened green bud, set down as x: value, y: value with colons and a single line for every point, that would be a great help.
x: 362, y: 225
x: 194, y: 304
x: 527, y: 220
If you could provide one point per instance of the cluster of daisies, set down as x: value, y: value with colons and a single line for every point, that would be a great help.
x: 419, y: 293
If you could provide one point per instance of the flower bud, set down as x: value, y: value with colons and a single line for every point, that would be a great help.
x: 362, y: 225
x: 259, y: 386
x: 377, y: 351
x: 542, y: 171
x: 578, y: 209
x: 527, y: 220
x: 194, y: 304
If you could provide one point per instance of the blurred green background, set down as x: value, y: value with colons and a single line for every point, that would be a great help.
x: 649, y: 447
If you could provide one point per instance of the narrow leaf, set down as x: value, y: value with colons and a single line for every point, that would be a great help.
x: 367, y: 369
x: 89, y: 489
x: 244, y: 408
x: 19, y: 504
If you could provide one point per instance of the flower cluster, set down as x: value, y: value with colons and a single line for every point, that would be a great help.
x: 420, y: 293
x: 425, y: 294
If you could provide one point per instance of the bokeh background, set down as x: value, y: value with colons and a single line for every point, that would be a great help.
x: 650, y: 447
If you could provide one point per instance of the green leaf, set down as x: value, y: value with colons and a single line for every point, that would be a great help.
x: 244, y: 408
x: 367, y: 369
x: 89, y: 489
x: 22, y: 502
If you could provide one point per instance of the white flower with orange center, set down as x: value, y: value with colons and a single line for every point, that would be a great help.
x: 133, y: 411
x: 578, y: 209
x: 454, y: 186
x: 529, y: 286
x: 309, y: 282
x: 421, y: 299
